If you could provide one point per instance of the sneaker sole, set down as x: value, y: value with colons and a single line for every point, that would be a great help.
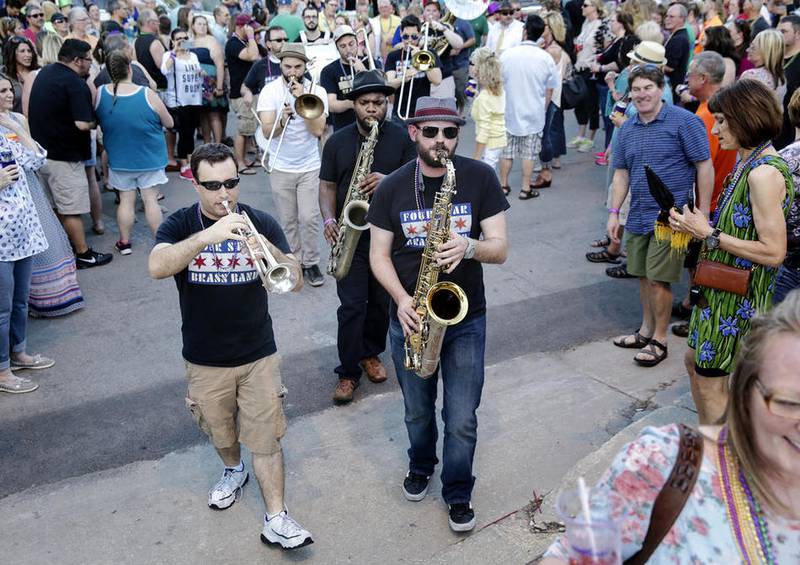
x: 265, y: 540
x: 469, y: 526
x: 236, y: 495
x: 316, y: 283
x: 415, y: 497
x: 124, y: 251
x: 9, y: 391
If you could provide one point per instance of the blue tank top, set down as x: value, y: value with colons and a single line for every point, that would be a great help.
x: 132, y: 132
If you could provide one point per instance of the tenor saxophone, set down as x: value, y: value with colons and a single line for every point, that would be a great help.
x: 438, y: 304
x: 353, y: 219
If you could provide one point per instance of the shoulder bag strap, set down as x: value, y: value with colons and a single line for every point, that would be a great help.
x: 674, y: 494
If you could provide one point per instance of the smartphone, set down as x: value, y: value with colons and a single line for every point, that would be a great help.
x: 6, y: 158
x: 188, y: 44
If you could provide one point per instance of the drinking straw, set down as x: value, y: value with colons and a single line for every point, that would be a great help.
x: 583, y: 494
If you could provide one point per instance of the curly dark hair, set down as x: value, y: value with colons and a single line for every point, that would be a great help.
x: 718, y: 39
x: 10, y: 56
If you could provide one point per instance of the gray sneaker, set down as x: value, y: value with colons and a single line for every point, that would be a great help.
x: 17, y: 385
x: 227, y: 490
x: 284, y: 531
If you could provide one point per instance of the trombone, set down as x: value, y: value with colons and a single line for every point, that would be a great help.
x: 277, y: 278
x: 423, y: 60
x: 308, y: 106
x: 371, y: 64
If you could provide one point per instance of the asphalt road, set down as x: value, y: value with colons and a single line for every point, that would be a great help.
x: 116, y: 393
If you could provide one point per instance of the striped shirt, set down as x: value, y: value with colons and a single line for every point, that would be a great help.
x: 671, y: 144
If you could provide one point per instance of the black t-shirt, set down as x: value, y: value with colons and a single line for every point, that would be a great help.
x: 422, y: 86
x: 224, y: 307
x: 393, y: 150
x: 792, y: 71
x: 677, y: 54
x: 59, y: 98
x: 394, y: 208
x: 261, y: 73
x: 335, y: 78
x: 237, y: 68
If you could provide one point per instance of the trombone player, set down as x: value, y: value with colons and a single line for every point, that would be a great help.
x: 363, y: 315
x: 292, y: 112
x: 410, y: 82
x: 232, y: 366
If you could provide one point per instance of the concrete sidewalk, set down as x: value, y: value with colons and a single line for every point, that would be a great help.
x: 541, y: 413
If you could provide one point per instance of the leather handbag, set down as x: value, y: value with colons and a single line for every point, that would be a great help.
x: 674, y: 494
x: 720, y: 276
x: 573, y: 91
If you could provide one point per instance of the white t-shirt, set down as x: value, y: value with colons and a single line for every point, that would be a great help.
x: 498, y: 41
x: 528, y: 71
x: 300, y: 150
x: 189, y: 90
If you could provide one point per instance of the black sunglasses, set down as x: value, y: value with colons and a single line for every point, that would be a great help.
x: 430, y: 132
x: 410, y: 36
x: 279, y: 39
x: 36, y: 15
x: 216, y: 184
x: 506, y: 12
x: 181, y: 38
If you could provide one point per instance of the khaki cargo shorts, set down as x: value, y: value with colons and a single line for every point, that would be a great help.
x: 66, y: 186
x: 246, y: 123
x: 253, y: 392
x: 652, y: 259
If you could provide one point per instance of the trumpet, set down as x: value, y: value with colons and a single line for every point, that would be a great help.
x: 308, y: 106
x: 423, y: 60
x: 277, y: 278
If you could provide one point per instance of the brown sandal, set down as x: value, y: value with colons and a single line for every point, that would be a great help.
x: 655, y: 356
x: 528, y: 194
x: 639, y: 341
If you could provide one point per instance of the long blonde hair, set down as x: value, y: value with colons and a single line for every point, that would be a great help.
x: 770, y: 45
x: 51, y: 45
x: 488, y: 71
x: 555, y: 22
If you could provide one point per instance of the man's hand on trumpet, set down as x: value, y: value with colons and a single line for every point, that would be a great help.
x: 227, y: 227
x: 356, y: 64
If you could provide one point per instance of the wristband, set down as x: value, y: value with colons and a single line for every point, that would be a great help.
x: 329, y: 221
x: 613, y: 210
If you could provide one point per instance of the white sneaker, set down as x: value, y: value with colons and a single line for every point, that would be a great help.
x: 227, y: 490
x: 284, y: 531
x: 585, y: 145
x: 575, y: 142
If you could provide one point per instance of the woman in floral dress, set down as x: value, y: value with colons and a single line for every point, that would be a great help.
x: 748, y: 232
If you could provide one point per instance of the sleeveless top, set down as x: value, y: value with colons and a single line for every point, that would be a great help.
x: 132, y: 131
x: 143, y: 55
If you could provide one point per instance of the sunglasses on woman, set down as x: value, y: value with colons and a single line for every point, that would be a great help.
x: 450, y: 132
x: 216, y: 184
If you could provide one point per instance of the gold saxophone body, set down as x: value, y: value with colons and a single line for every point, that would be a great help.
x: 353, y: 219
x: 438, y: 304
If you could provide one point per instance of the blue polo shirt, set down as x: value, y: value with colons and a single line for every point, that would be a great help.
x: 671, y: 144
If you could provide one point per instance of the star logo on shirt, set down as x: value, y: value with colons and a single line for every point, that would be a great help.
x: 426, y: 227
x: 412, y: 230
x: 250, y: 262
x: 217, y: 262
x: 233, y: 262
x: 461, y: 224
x: 200, y: 261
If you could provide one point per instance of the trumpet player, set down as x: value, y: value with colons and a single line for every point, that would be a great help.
x: 400, y: 215
x: 399, y: 69
x: 232, y: 367
x: 337, y: 77
x: 363, y: 315
x: 295, y: 167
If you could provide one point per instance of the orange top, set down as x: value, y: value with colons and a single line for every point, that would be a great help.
x: 723, y: 159
x: 715, y: 21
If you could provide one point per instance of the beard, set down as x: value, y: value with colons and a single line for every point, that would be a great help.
x: 430, y: 156
x: 364, y: 124
x: 312, y: 25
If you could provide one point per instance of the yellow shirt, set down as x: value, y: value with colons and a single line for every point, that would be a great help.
x: 488, y: 111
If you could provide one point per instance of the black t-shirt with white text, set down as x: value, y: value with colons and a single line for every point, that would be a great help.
x: 224, y: 307
x: 394, y: 208
x: 59, y: 98
x: 262, y: 73
x: 336, y: 78
x: 421, y: 87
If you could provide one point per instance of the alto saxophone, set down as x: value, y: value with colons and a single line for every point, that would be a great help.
x: 438, y: 304
x: 353, y: 219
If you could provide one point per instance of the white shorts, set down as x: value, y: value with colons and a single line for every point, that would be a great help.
x: 131, y: 180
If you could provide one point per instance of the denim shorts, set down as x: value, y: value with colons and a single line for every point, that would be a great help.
x: 131, y: 180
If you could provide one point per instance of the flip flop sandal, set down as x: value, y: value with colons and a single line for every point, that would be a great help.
x: 605, y: 242
x: 603, y: 257
x: 247, y: 171
x: 528, y: 194
x: 39, y: 362
x: 506, y: 190
x: 655, y: 356
x: 619, y: 272
x: 639, y: 341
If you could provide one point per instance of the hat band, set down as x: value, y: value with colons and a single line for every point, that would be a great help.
x: 436, y: 112
x: 646, y: 60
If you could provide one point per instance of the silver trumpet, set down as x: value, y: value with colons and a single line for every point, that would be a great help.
x: 277, y: 278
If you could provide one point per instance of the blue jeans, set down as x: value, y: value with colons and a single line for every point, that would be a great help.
x: 461, y: 367
x: 787, y: 281
x: 546, y: 154
x: 608, y: 125
x: 15, y: 286
x: 558, y: 139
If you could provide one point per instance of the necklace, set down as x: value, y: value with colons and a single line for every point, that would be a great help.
x: 745, y: 516
x: 732, y: 180
x: 787, y: 64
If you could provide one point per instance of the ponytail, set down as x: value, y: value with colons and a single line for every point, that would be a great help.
x: 118, y: 65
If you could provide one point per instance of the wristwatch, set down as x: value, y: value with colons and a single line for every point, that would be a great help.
x: 470, y: 252
x: 712, y: 241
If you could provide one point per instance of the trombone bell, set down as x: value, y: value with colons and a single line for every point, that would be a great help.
x: 423, y: 61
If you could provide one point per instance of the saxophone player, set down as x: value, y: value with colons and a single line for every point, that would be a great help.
x: 364, y: 312
x: 400, y: 215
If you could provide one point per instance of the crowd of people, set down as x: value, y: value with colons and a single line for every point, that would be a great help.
x: 700, y: 111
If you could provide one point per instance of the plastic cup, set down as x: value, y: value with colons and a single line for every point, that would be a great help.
x: 590, y: 543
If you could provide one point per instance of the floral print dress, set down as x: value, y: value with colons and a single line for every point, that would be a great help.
x: 715, y: 330
x: 702, y: 534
